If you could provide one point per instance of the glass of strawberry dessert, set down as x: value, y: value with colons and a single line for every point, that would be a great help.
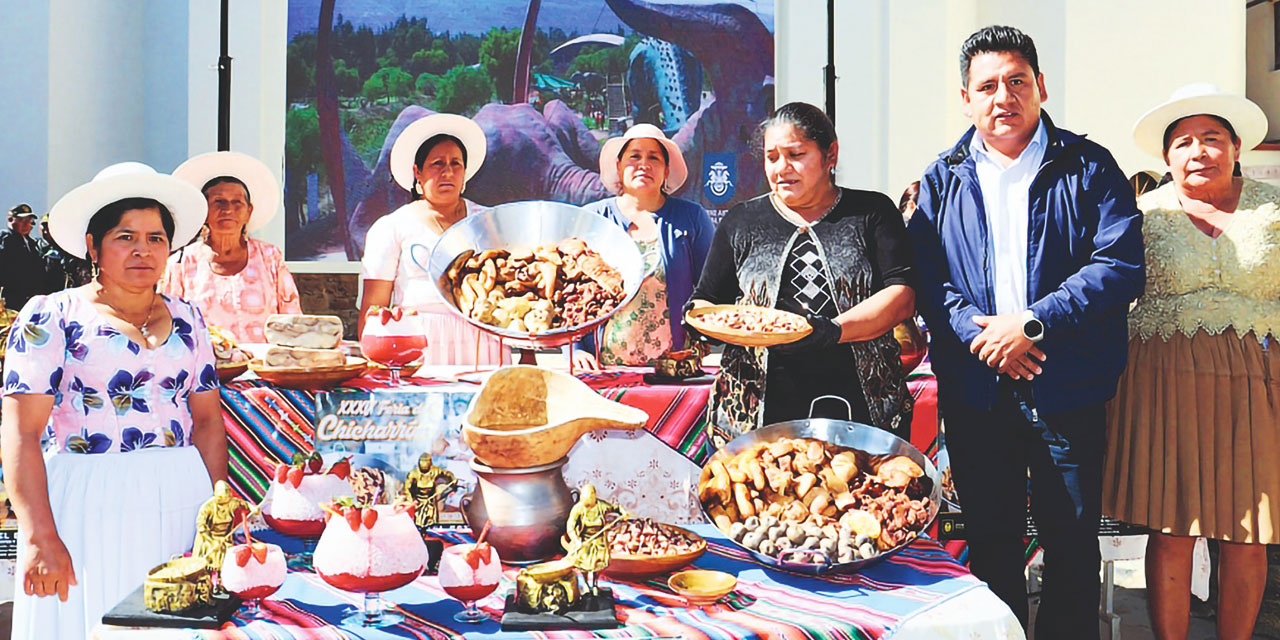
x: 292, y: 503
x: 469, y: 573
x: 369, y: 550
x: 253, y: 571
x: 394, y: 338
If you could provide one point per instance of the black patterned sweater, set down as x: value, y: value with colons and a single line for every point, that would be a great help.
x: 760, y: 258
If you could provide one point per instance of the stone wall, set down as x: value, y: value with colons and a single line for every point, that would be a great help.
x: 331, y: 294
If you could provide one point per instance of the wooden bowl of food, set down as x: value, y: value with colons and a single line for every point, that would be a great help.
x: 748, y: 326
x: 312, y: 378
x: 228, y: 371
x: 702, y: 587
x: 640, y: 547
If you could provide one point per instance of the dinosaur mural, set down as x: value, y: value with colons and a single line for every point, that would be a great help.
x: 551, y: 155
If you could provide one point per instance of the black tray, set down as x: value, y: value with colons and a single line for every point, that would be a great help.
x: 131, y: 612
x: 594, y: 612
x: 656, y: 378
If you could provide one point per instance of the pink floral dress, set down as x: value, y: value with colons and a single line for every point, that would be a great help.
x: 239, y: 303
x: 109, y: 393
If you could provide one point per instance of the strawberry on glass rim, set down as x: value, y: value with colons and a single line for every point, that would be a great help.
x: 253, y: 570
x: 393, y: 337
x: 292, y: 503
x: 469, y: 573
x: 370, y: 549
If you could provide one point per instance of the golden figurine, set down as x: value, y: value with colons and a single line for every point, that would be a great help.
x: 178, y: 585
x: 424, y: 487
x: 216, y: 521
x: 587, y: 543
x: 549, y: 587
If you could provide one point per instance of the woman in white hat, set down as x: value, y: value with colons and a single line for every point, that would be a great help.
x: 432, y: 159
x: 112, y: 433
x: 1194, y: 437
x: 235, y: 280
x: 644, y: 168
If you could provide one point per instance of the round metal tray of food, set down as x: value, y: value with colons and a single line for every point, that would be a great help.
x: 526, y: 225
x: 877, y: 443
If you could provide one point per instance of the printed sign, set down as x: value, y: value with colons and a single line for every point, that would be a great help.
x: 388, y: 429
x: 719, y: 176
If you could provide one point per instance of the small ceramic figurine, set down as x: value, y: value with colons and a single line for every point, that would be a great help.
x: 215, y: 523
x: 178, y: 585
x: 549, y: 587
x: 425, y: 486
x: 588, y: 544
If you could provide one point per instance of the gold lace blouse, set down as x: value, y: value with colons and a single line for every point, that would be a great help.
x: 1195, y: 282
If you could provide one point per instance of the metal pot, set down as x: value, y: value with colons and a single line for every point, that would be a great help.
x: 844, y: 433
x: 526, y: 509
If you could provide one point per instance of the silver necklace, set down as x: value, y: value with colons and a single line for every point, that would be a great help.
x: 787, y: 213
x: 142, y: 328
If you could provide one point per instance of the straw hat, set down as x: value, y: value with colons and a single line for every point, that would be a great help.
x: 69, y: 218
x: 1200, y: 98
x: 419, y: 131
x: 264, y: 191
x: 677, y: 171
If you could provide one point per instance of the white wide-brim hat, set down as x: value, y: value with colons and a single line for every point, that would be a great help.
x: 69, y: 218
x: 1200, y: 98
x: 677, y: 171
x: 419, y: 131
x: 264, y: 191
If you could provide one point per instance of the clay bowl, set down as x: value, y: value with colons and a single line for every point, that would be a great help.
x: 702, y: 587
x: 528, y: 416
x: 231, y: 370
x: 741, y: 337
x: 645, y: 565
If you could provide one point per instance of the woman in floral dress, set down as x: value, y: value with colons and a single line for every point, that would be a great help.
x: 644, y: 167
x: 111, y: 431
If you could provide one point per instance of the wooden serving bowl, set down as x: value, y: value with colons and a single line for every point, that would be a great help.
x: 745, y: 338
x: 231, y: 370
x: 527, y: 416
x: 651, y: 565
x: 315, y: 378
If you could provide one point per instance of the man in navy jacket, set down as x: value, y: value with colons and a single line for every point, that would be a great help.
x: 1029, y: 250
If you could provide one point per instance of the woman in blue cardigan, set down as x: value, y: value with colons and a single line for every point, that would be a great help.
x: 643, y: 166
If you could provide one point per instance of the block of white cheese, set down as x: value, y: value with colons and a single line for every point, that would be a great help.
x: 310, y: 332
x: 303, y: 358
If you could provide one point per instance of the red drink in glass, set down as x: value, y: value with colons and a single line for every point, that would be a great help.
x: 393, y: 338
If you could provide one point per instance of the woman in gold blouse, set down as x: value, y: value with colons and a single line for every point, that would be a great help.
x: 1194, y: 434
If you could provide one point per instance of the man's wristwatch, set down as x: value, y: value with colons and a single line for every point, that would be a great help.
x: 1032, y: 328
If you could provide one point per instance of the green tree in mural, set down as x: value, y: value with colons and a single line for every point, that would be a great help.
x: 435, y: 61
x: 426, y: 84
x: 498, y: 57
x: 388, y: 83
x: 347, y: 79
x: 463, y: 89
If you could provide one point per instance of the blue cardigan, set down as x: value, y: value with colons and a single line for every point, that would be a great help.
x: 685, y: 231
x: 1084, y: 267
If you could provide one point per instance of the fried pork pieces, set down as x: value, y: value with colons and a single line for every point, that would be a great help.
x: 805, y: 493
x: 535, y: 290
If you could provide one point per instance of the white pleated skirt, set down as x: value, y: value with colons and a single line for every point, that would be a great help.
x: 119, y: 515
x: 450, y: 340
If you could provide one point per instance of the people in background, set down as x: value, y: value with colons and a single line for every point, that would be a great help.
x: 1193, y: 447
x: 63, y: 270
x: 110, y: 427
x: 235, y: 280
x: 840, y: 258
x: 432, y: 159
x: 1029, y: 251
x: 644, y: 167
x: 21, y: 267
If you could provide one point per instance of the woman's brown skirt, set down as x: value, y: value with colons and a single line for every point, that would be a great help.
x: 1193, y: 441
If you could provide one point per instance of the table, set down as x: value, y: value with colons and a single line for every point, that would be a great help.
x: 919, y: 593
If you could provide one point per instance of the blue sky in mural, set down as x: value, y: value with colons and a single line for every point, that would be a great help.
x: 462, y: 17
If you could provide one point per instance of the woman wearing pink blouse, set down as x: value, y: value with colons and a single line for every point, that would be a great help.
x: 235, y: 280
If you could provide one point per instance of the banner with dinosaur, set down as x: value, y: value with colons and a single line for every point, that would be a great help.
x: 547, y: 80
